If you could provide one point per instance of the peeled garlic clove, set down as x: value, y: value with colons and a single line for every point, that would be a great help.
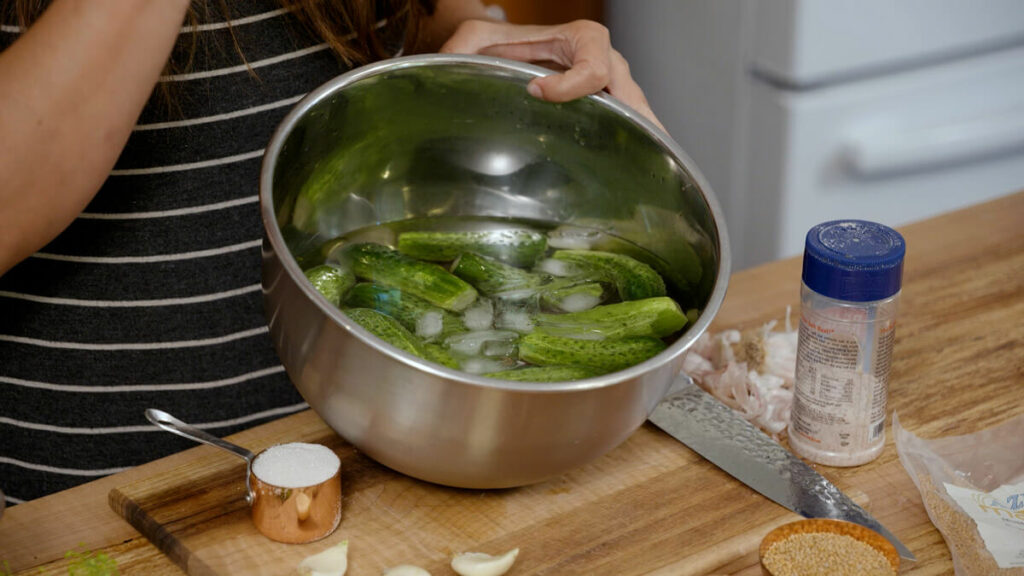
x: 405, y: 570
x: 330, y: 562
x: 480, y: 564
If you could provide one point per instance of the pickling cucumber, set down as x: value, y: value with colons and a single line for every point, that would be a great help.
x: 656, y: 317
x: 417, y: 315
x: 330, y: 281
x: 437, y: 353
x: 545, y: 373
x: 606, y: 355
x: 514, y: 246
x: 391, y: 331
x: 380, y: 264
x: 387, y: 329
x: 633, y: 279
x: 692, y: 315
x: 490, y: 276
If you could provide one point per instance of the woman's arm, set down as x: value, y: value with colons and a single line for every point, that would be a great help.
x: 71, y: 89
x: 437, y: 28
x: 582, y: 47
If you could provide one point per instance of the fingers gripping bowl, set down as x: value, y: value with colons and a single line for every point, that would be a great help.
x: 442, y: 138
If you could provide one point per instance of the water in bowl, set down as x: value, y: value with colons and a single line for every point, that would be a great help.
x: 550, y: 309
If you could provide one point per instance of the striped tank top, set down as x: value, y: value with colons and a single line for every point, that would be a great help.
x: 151, y: 297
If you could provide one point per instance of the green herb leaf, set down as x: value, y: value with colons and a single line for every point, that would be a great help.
x: 86, y: 563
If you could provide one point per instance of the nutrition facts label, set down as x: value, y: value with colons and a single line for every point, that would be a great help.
x: 839, y: 406
x: 882, y: 362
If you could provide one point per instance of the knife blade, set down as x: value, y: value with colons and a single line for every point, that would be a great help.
x: 727, y: 440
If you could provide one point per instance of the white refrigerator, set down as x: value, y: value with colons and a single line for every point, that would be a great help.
x: 801, y: 111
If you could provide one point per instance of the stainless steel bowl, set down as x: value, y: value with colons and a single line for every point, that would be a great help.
x: 446, y: 135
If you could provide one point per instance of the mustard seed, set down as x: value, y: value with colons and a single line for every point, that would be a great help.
x: 825, y: 554
x: 966, y: 546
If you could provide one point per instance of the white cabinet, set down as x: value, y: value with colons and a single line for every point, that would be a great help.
x: 807, y: 42
x: 803, y: 111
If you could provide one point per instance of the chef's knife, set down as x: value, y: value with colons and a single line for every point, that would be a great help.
x: 727, y: 440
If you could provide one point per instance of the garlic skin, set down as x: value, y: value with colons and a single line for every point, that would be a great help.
x: 331, y: 562
x: 405, y: 570
x: 480, y: 564
x: 752, y: 372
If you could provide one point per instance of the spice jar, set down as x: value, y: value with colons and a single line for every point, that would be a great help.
x: 852, y: 273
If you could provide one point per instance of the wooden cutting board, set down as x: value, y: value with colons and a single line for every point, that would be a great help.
x: 650, y: 505
x: 958, y: 358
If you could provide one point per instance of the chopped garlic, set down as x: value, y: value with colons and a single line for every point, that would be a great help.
x: 331, y: 562
x: 480, y: 564
x: 752, y: 372
x: 405, y: 570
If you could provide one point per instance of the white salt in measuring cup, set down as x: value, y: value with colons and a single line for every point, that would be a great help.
x: 294, y: 513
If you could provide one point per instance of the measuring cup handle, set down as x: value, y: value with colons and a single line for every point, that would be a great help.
x: 172, y: 424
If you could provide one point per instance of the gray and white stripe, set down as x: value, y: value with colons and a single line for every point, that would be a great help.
x: 209, y: 26
x: 219, y: 117
x: 281, y: 411
x: 121, y: 388
x: 184, y: 300
x: 117, y: 346
x: 151, y: 259
x: 188, y: 165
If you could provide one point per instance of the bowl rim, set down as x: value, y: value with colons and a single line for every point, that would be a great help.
x: 273, y: 236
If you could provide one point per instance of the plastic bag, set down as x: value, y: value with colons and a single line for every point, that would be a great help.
x: 973, y: 489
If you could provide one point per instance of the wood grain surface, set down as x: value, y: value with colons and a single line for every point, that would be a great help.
x: 650, y: 506
x: 197, y: 516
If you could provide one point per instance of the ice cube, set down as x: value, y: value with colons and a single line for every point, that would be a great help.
x: 515, y: 320
x: 471, y: 343
x: 514, y: 310
x: 573, y: 238
x: 579, y: 302
x: 479, y: 316
x: 430, y: 324
x: 500, y: 349
x: 559, y: 268
x: 484, y: 365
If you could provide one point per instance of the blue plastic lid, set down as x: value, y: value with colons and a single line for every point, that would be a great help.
x: 854, y: 260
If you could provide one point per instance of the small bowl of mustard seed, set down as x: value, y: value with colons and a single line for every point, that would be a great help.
x: 825, y: 547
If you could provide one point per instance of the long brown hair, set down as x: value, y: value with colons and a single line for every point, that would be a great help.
x: 349, y: 27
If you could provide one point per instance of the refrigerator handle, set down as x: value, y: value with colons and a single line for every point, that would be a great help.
x: 880, y: 153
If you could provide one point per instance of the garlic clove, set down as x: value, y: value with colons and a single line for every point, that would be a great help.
x: 480, y: 564
x: 331, y: 562
x: 405, y: 570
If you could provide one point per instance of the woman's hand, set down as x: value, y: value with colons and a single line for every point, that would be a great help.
x: 581, y: 49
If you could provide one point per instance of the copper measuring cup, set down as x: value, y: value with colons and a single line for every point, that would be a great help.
x: 290, y: 514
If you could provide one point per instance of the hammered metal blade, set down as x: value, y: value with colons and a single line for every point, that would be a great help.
x: 728, y: 441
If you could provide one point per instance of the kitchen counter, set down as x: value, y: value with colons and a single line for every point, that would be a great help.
x: 959, y: 357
